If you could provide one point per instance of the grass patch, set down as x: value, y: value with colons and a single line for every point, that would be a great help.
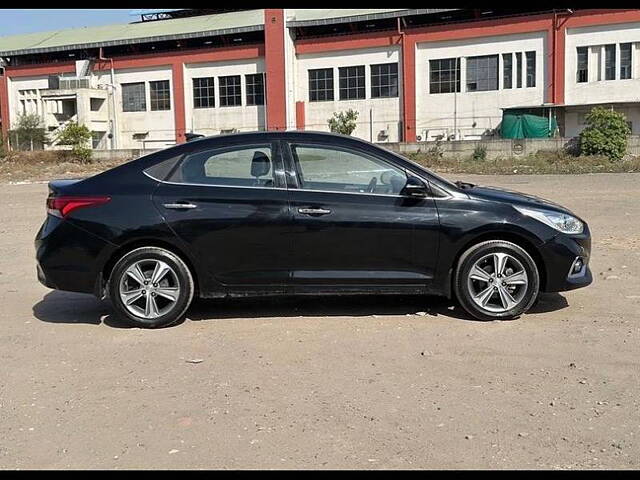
x: 538, y: 163
x: 48, y: 165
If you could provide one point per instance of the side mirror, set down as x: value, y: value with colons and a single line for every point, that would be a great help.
x: 415, y: 188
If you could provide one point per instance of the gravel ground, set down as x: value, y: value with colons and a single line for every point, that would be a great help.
x: 347, y: 383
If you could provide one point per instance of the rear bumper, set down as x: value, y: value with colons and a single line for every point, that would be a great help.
x: 559, y: 255
x: 68, y: 257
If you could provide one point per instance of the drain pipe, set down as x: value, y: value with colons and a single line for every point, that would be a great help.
x: 404, y: 93
x: 114, y: 122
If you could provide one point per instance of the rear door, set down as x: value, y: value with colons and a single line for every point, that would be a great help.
x: 229, y: 204
x: 352, y: 229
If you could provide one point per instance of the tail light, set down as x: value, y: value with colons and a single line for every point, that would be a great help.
x: 64, y: 205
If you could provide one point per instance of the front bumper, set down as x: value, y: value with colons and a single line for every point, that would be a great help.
x: 559, y: 255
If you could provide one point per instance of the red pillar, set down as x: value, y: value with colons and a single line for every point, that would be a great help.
x: 4, y: 109
x: 409, y: 89
x: 178, y: 101
x: 300, y: 120
x: 558, y: 56
x: 275, y: 88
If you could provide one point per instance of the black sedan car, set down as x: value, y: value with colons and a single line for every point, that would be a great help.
x: 278, y: 213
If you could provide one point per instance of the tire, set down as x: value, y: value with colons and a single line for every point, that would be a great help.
x: 473, y: 287
x: 134, y: 300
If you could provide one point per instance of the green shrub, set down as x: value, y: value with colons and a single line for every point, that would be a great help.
x: 605, y: 134
x: 479, y: 153
x: 78, y: 136
x: 343, y: 122
x: 29, y: 133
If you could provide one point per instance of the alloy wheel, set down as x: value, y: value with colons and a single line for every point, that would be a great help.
x: 149, y: 288
x: 497, y: 282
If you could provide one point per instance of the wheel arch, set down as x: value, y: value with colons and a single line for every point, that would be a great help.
x: 140, y: 243
x: 507, y: 236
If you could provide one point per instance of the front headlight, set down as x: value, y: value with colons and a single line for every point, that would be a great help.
x: 560, y: 221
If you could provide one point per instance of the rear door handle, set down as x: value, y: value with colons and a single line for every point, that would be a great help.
x: 314, y: 211
x: 179, y: 206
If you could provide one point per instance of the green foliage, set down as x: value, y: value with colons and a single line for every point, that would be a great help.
x: 29, y: 133
x: 343, y: 122
x: 78, y: 136
x: 479, y: 153
x: 606, y: 134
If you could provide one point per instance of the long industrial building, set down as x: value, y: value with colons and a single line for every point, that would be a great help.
x: 411, y: 74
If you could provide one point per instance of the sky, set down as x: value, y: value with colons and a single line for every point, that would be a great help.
x: 15, y: 21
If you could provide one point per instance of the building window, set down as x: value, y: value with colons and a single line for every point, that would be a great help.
x: 321, y: 85
x: 531, y: 68
x: 582, y: 75
x: 610, y: 62
x: 351, y: 82
x: 160, y: 95
x: 384, y: 80
x: 96, y: 139
x: 204, y: 93
x: 625, y: 61
x: 482, y: 73
x: 444, y: 75
x: 255, y: 88
x: 518, y: 70
x: 134, y: 97
x: 507, y: 70
x: 230, y: 91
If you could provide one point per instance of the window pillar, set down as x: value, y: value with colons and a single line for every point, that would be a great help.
x: 180, y: 126
x: 274, y: 57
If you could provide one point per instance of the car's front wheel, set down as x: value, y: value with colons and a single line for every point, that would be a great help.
x: 496, y: 280
x: 151, y: 287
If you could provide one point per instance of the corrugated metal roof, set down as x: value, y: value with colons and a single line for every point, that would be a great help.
x: 304, y: 17
x: 104, y: 36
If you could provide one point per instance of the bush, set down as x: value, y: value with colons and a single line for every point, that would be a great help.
x: 78, y: 136
x: 605, y: 134
x: 29, y: 133
x: 479, y: 153
x: 343, y: 122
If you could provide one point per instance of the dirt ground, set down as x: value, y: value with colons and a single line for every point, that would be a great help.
x: 362, y: 383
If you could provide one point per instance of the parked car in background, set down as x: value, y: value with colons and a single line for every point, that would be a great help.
x: 276, y: 213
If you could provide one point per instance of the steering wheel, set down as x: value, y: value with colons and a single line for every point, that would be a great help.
x: 372, y: 185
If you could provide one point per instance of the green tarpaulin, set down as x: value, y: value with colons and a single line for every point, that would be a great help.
x: 523, y: 125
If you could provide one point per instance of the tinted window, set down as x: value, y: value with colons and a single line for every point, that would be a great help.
x: 230, y: 91
x: 482, y: 73
x: 507, y: 70
x: 338, y: 170
x: 255, y: 89
x: 384, y: 80
x: 133, y: 97
x: 610, y: 62
x: 582, y: 71
x: 625, y: 61
x: 321, y: 84
x: 246, y: 166
x: 531, y: 68
x: 444, y: 75
x: 159, y: 95
x: 351, y: 82
x: 204, y: 92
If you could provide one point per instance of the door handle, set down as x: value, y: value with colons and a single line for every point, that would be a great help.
x: 179, y: 206
x: 314, y: 211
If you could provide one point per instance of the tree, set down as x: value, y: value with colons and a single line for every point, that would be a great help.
x: 606, y: 134
x: 343, y: 122
x: 78, y: 136
x: 29, y: 132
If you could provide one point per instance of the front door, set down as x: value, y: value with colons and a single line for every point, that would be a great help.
x: 352, y: 229
x: 230, y: 206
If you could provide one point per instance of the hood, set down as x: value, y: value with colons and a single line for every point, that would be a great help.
x: 514, y: 198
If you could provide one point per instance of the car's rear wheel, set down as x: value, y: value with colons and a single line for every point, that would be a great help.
x: 151, y: 287
x: 496, y: 280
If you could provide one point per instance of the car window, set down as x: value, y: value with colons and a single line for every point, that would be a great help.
x: 245, y: 166
x: 341, y: 170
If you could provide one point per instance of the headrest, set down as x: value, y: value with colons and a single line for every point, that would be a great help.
x: 260, y: 165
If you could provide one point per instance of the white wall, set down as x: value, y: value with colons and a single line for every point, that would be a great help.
x: 385, y: 111
x: 435, y: 112
x: 574, y: 118
x: 598, y: 90
x: 210, y: 121
x: 24, y: 83
x: 159, y: 124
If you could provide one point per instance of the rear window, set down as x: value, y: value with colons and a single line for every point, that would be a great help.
x: 241, y: 166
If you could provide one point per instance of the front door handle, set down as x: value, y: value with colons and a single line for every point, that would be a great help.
x: 314, y: 211
x: 178, y: 206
